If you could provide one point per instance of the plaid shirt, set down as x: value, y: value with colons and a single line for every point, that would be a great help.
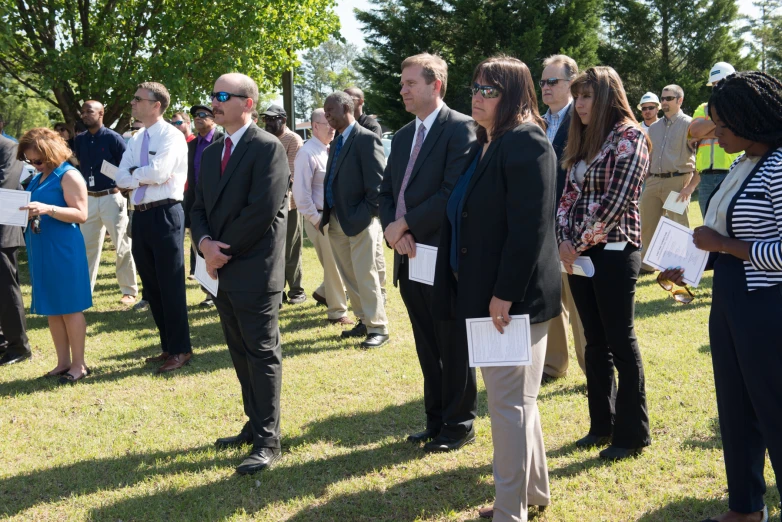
x: 605, y: 208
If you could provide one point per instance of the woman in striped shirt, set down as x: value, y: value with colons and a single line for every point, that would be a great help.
x: 743, y: 228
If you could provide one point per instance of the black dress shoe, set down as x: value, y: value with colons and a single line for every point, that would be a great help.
x: 244, y: 437
x: 423, y: 436
x: 614, y: 453
x: 258, y: 460
x: 10, y: 358
x: 360, y: 330
x: 443, y: 443
x: 374, y: 340
x: 593, y: 441
x: 297, y: 299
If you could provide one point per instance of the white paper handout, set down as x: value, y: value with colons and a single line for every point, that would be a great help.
x: 109, y: 170
x: 488, y: 347
x: 422, y: 266
x: 672, y: 246
x: 203, y: 277
x: 675, y: 206
x: 10, y: 201
x: 582, y: 266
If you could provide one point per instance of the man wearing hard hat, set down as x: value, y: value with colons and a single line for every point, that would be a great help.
x: 711, y: 161
x: 649, y: 107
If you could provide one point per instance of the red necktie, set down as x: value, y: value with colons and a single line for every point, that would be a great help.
x: 226, y: 155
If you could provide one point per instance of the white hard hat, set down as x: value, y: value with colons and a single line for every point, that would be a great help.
x: 720, y: 71
x: 647, y: 98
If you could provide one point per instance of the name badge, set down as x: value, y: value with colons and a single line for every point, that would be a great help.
x: 616, y: 246
x: 91, y: 181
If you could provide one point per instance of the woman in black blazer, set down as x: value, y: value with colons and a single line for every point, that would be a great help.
x: 498, y: 257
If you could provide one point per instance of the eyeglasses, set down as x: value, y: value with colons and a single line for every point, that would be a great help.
x: 270, y: 118
x: 681, y: 295
x: 202, y: 115
x: 177, y: 123
x: 223, y: 96
x: 37, y: 163
x: 649, y: 108
x: 669, y: 98
x: 487, y: 91
x: 140, y: 99
x: 551, y: 82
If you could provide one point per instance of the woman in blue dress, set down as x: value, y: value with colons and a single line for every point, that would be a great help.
x: 56, y: 255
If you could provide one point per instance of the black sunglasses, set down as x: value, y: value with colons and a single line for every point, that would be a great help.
x: 203, y: 114
x: 651, y: 108
x: 551, y: 82
x: 223, y: 96
x: 37, y: 163
x: 140, y: 99
x: 669, y: 98
x: 270, y: 118
x: 487, y: 91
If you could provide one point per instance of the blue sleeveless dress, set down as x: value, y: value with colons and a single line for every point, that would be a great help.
x: 56, y: 257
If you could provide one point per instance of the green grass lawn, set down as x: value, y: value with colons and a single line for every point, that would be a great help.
x: 126, y: 444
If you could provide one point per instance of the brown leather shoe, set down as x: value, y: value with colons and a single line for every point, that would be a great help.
x: 342, y: 320
x: 163, y: 357
x: 319, y: 299
x: 175, y: 362
x: 486, y: 512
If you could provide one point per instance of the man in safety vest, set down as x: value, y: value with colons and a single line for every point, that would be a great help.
x: 711, y: 161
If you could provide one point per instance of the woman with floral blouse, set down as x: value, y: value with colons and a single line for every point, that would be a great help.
x: 607, y: 158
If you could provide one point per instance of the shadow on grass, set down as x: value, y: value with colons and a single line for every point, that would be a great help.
x: 709, y: 441
x: 690, y: 509
x: 706, y: 348
x: 666, y: 305
x: 548, y: 392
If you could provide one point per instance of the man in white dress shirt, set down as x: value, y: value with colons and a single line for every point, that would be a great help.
x: 154, y: 167
x: 309, y: 172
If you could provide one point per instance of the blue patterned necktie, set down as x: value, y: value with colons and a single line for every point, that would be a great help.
x: 329, y: 191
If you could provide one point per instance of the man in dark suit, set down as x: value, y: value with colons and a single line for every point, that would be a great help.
x: 559, y: 70
x: 238, y: 222
x: 353, y: 174
x: 14, y: 346
x: 207, y: 134
x: 427, y: 157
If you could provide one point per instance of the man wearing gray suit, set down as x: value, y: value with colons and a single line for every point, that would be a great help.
x: 14, y: 346
x: 353, y: 174
x: 427, y: 157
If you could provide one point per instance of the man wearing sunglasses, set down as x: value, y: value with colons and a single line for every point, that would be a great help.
x: 672, y: 167
x: 207, y: 134
x: 107, y: 208
x: 274, y: 120
x: 558, y: 71
x: 649, y: 107
x: 154, y: 168
x: 238, y: 223
x: 181, y: 121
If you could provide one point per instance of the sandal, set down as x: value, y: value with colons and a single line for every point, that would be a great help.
x: 55, y: 374
x: 70, y: 379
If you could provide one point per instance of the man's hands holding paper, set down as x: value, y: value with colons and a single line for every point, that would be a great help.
x: 213, y: 255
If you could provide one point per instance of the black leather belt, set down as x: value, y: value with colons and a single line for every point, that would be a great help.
x: 714, y: 171
x: 669, y: 174
x: 159, y: 203
x: 102, y: 193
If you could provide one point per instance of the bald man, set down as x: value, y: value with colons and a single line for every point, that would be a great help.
x: 107, y: 208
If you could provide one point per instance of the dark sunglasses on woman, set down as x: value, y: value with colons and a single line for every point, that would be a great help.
x: 487, y: 91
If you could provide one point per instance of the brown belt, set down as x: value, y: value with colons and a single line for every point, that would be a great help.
x: 102, y: 193
x: 669, y: 174
x: 159, y: 203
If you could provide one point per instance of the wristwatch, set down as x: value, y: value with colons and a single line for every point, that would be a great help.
x: 53, y: 210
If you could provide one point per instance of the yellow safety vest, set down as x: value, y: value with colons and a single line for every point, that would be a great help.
x: 710, y: 155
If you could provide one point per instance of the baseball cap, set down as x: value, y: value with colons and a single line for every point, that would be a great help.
x: 719, y: 72
x: 649, y: 97
x: 195, y: 108
x: 275, y: 110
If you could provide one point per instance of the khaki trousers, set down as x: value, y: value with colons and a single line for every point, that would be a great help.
x: 332, y: 287
x: 380, y: 260
x: 109, y: 213
x: 520, y: 472
x: 653, y: 198
x: 356, y: 258
x: 557, y: 347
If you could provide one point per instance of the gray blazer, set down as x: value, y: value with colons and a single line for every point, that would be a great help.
x: 10, y: 174
x: 357, y: 176
x: 443, y: 157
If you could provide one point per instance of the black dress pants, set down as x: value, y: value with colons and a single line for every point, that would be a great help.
x: 13, y: 335
x: 606, y: 304
x: 252, y: 332
x: 450, y: 392
x: 746, y: 350
x: 158, y: 235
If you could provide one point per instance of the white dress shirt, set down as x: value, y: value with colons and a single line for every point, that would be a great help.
x: 309, y: 172
x: 235, y: 138
x: 166, y: 173
x: 428, y: 122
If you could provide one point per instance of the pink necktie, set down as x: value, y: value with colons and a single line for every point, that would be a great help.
x: 226, y: 155
x: 143, y: 161
x: 401, y: 209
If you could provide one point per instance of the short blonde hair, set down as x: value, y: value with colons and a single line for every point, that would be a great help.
x: 433, y: 68
x: 47, y: 143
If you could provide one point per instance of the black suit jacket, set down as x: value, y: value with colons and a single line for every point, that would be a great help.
x: 10, y: 174
x: 368, y: 122
x: 559, y: 144
x: 246, y: 208
x: 190, y: 190
x: 443, y: 156
x: 359, y: 171
x: 507, y: 243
